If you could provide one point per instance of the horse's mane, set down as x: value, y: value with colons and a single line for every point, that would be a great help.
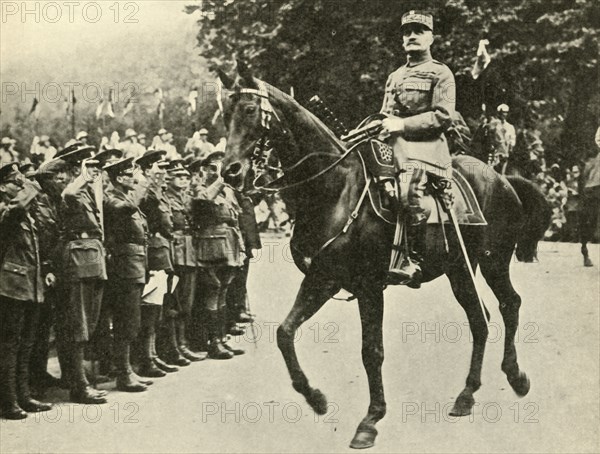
x: 304, y: 115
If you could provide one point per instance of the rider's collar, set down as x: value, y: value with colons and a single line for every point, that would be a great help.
x: 419, y: 58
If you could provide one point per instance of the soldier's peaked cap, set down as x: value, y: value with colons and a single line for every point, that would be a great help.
x: 176, y: 167
x: 417, y: 17
x: 27, y: 169
x: 121, y: 167
x: 53, y: 166
x: 109, y: 155
x: 150, y: 157
x: 76, y: 152
x: 214, y: 156
x: 7, y: 170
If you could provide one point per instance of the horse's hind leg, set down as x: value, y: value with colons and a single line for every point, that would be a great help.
x: 466, y: 295
x: 314, y: 292
x: 495, y: 270
x: 371, y: 317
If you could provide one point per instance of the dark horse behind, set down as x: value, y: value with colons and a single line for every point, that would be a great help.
x: 357, y: 259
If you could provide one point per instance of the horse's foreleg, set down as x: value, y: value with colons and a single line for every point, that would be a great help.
x: 467, y: 297
x: 585, y: 230
x: 498, y: 278
x: 314, y: 292
x: 371, y: 317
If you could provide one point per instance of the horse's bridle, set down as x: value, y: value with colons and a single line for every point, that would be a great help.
x: 263, y: 149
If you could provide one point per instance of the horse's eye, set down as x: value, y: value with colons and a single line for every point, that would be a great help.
x: 250, y: 110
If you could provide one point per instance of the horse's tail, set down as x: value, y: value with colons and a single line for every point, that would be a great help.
x: 537, y: 215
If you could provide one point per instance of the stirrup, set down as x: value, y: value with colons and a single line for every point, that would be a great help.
x: 408, y: 274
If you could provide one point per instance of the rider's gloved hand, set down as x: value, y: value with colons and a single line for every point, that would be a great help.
x: 392, y: 125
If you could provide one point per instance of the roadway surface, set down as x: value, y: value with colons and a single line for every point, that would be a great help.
x: 248, y: 405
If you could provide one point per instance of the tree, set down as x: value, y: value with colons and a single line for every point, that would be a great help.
x: 544, y: 55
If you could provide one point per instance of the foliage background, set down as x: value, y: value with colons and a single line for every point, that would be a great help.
x: 544, y: 64
x: 544, y: 56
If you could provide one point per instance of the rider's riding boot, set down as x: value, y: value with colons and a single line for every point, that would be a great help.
x: 409, y: 271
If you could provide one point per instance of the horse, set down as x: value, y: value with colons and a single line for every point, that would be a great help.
x: 337, y: 247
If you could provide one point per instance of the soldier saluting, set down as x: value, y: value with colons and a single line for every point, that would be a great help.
x: 81, y: 282
x: 420, y: 101
x: 126, y: 239
x: 21, y: 289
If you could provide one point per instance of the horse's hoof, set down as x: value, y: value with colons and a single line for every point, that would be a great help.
x: 364, y: 438
x: 520, y: 384
x: 462, y: 406
x: 587, y: 262
x: 318, y: 402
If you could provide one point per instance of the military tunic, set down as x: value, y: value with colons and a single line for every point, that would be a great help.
x: 424, y: 95
x: 156, y: 206
x: 83, y: 265
x: 126, y: 236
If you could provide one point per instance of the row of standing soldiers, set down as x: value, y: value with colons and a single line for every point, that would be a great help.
x: 141, y: 262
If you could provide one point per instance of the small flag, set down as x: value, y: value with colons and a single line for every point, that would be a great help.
x: 34, y: 108
x: 192, y: 101
x: 128, y: 106
x: 70, y: 102
x: 105, y: 108
x: 483, y: 59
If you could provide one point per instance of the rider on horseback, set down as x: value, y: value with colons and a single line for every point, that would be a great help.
x: 419, y: 101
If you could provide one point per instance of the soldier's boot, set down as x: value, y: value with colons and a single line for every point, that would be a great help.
x: 40, y: 379
x: 9, y: 407
x: 147, y: 366
x: 242, y: 315
x: 158, y: 362
x: 167, y: 347
x: 146, y: 344
x: 183, y: 344
x: 215, y: 323
x: 26, y: 401
x: 225, y: 338
x: 126, y: 380
x: 81, y: 390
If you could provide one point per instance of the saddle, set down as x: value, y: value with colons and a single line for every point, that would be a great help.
x: 466, y: 207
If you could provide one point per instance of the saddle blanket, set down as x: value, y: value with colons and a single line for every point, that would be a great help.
x: 466, y: 206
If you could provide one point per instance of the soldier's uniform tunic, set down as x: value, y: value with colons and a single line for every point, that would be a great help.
x: 424, y: 95
x: 219, y: 252
x: 126, y: 237
x: 21, y: 289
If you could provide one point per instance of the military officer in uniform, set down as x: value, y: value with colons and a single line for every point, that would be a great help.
x: 126, y: 239
x: 237, y: 295
x: 21, y: 292
x: 52, y: 177
x: 219, y: 250
x: 184, y: 259
x: 83, y: 267
x: 420, y: 101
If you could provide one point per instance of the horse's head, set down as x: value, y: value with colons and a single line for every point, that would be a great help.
x: 249, y: 117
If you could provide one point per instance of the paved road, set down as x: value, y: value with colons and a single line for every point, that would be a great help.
x: 248, y: 405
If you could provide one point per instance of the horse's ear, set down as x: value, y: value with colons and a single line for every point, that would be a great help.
x: 225, y: 79
x: 245, y: 73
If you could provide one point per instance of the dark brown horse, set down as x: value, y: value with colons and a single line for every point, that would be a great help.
x: 357, y: 259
